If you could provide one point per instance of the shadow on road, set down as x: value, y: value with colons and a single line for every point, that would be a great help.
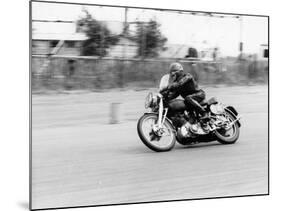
x: 199, y: 145
x: 137, y: 150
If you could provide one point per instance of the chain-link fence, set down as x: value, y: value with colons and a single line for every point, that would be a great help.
x: 88, y: 73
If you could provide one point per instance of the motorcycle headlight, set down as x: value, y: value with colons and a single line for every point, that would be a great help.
x: 217, y: 108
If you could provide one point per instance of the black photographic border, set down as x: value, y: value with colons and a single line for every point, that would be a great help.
x: 148, y: 8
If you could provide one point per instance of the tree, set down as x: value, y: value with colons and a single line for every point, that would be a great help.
x: 149, y: 38
x: 99, y: 36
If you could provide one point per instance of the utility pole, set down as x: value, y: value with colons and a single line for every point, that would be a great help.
x: 125, y: 28
x: 241, y: 35
x: 124, y: 48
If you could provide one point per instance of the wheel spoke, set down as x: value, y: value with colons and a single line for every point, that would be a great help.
x: 229, y: 131
x: 159, y: 141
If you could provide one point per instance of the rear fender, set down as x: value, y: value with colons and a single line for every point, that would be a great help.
x: 234, y: 113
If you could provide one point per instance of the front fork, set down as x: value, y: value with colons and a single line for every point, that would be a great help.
x: 158, y: 128
x: 161, y: 118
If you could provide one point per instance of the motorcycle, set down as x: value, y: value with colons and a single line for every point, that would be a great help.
x: 169, y: 122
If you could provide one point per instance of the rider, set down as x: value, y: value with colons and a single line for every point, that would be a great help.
x: 183, y: 84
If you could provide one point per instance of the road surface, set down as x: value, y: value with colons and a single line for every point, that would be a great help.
x: 80, y: 159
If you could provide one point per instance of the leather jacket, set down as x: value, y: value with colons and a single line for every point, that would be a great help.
x: 184, y: 85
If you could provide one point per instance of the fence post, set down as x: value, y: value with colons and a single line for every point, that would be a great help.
x: 114, y: 113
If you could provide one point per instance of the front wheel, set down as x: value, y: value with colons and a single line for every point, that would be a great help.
x: 231, y: 134
x: 159, y: 143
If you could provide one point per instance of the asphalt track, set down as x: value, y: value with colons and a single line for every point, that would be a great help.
x: 79, y: 159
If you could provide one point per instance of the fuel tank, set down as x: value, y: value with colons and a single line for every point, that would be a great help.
x: 177, y: 105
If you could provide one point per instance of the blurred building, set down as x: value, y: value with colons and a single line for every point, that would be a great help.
x: 44, y: 44
x: 125, y: 48
x: 46, y: 36
x: 174, y: 51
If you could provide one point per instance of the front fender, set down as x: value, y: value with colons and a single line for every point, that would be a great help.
x: 233, y: 111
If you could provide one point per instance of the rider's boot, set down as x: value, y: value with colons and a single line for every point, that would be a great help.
x: 204, y: 121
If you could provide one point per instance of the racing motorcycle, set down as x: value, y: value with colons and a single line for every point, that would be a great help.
x: 169, y: 122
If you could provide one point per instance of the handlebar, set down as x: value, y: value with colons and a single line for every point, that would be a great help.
x: 164, y: 93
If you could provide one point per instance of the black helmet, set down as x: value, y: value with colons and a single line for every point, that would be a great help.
x: 175, y: 67
x: 176, y: 70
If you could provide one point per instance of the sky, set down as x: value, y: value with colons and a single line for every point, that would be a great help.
x: 194, y: 30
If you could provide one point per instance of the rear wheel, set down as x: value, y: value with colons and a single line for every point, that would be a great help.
x: 228, y: 135
x: 152, y: 139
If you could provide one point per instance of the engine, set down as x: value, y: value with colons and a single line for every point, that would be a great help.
x: 185, y: 131
x: 189, y: 130
x: 178, y: 120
